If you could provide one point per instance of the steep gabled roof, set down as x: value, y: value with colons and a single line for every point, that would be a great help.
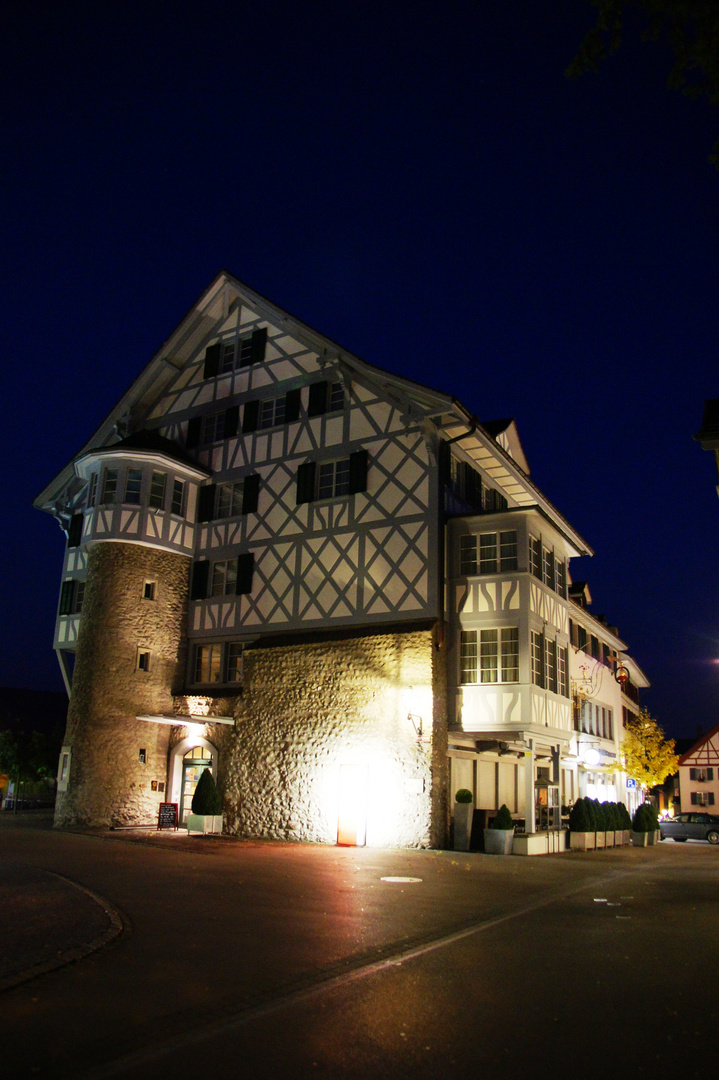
x: 495, y: 449
x: 704, y: 753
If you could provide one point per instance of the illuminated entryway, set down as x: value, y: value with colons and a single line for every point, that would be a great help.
x: 352, y: 818
x: 188, y: 760
x: 194, y: 763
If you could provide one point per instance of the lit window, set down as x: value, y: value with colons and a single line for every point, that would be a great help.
x: 208, y: 663
x: 494, y: 653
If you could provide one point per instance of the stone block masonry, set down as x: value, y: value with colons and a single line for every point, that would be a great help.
x: 109, y: 783
x: 308, y: 710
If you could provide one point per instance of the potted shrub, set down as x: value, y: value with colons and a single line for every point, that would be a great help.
x: 499, y: 837
x: 641, y: 824
x: 206, y: 816
x: 608, y: 815
x: 599, y: 822
x: 625, y: 822
x: 463, y: 813
x: 581, y: 831
x: 653, y: 834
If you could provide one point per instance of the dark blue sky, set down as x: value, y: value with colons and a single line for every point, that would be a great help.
x: 418, y: 181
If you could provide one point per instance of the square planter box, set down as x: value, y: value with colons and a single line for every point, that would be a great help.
x: 498, y: 841
x: 204, y: 823
x: 639, y: 839
x: 609, y: 839
x: 582, y: 841
x: 463, y: 813
x: 600, y: 840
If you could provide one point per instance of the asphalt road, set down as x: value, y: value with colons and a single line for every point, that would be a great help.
x: 269, y: 960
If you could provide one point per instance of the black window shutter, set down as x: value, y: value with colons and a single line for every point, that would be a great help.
x: 358, y: 471
x: 250, y: 493
x: 206, y: 503
x: 250, y: 417
x: 245, y: 570
x: 66, y: 590
x: 444, y: 458
x: 194, y: 429
x: 292, y: 405
x: 318, y: 399
x: 200, y: 578
x: 257, y: 345
x: 306, y: 482
x: 232, y: 419
x: 74, y: 532
x: 212, y: 361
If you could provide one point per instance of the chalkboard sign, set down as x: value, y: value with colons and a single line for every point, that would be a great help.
x: 167, y: 817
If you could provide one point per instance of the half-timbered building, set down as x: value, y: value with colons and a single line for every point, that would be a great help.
x: 331, y: 584
x: 699, y: 774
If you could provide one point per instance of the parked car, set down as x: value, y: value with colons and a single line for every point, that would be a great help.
x: 691, y: 827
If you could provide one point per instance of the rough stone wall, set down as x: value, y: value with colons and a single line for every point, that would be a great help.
x: 307, y: 709
x: 108, y: 784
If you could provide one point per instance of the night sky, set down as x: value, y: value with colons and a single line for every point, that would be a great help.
x: 421, y: 183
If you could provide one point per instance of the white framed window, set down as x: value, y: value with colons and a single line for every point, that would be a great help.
x: 218, y: 662
x: 72, y: 594
x: 213, y: 428
x: 468, y: 555
x: 133, y: 486
x: 548, y: 567
x: 560, y: 569
x: 109, y: 486
x: 702, y: 798
x: 562, y: 672
x: 92, y: 490
x: 157, y: 490
x: 701, y: 775
x: 229, y: 499
x: 177, y: 505
x: 224, y: 578
x: 537, y: 654
x: 497, y: 552
x: 550, y: 665
x: 272, y: 412
x: 535, y: 557
x: 489, y: 656
x: 333, y: 478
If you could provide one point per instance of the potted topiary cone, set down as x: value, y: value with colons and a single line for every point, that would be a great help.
x: 206, y: 816
x: 641, y: 824
x: 582, y: 835
x: 499, y: 839
x: 463, y: 813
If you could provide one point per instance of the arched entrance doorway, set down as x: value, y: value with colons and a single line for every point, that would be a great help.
x: 194, y: 762
x: 188, y: 760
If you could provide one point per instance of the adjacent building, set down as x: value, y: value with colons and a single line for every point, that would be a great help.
x: 699, y: 774
x: 332, y: 585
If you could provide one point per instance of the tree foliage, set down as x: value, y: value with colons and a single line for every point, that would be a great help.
x: 645, y: 754
x: 689, y: 27
x: 28, y: 756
